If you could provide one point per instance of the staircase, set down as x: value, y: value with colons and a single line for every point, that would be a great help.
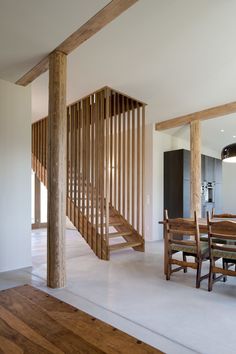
x: 104, y: 204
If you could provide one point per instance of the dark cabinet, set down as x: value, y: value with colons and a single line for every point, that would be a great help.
x: 177, y: 183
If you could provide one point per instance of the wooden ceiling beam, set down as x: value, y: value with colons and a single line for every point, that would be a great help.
x: 112, y: 10
x: 35, y: 72
x: 206, y: 114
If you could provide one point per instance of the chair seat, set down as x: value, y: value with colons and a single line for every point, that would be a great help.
x: 190, y: 249
x: 224, y: 254
x: 216, y: 240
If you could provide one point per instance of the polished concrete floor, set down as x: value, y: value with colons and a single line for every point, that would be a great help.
x: 131, y: 293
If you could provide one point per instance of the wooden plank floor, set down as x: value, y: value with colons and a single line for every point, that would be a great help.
x: 32, y: 321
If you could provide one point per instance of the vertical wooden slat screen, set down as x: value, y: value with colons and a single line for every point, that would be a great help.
x: 105, y: 164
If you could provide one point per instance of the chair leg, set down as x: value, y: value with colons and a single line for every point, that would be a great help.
x: 225, y: 266
x: 199, y: 270
x: 168, y: 266
x: 185, y: 260
x: 168, y: 271
x: 210, y: 277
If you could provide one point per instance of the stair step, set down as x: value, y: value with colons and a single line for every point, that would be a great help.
x: 115, y: 223
x: 119, y: 234
x: 119, y: 246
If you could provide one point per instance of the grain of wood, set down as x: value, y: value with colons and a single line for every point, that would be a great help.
x: 56, y: 171
x: 195, y: 167
x: 32, y: 321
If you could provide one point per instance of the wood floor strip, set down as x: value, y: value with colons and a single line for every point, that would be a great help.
x: 32, y: 321
x: 20, y: 327
x: 38, y: 319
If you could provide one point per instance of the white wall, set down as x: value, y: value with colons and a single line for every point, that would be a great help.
x: 15, y: 176
x: 229, y: 190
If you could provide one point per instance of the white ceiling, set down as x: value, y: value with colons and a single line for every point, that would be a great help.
x: 30, y: 29
x: 177, y: 56
x: 215, y: 133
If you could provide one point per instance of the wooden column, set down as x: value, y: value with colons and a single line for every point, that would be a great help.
x: 195, y: 174
x: 37, y: 204
x: 56, y: 170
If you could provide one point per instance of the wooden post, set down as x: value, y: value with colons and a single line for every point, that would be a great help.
x: 56, y: 171
x: 195, y: 175
x: 37, y: 204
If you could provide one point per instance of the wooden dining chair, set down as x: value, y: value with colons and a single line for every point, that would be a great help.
x: 222, y: 216
x: 188, y: 246
x: 221, y: 239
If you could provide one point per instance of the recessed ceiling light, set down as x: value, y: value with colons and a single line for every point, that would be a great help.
x: 222, y: 130
x: 234, y: 136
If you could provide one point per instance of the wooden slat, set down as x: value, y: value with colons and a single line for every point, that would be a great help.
x: 133, y: 162
x: 94, y: 231
x: 102, y: 160
x: 75, y: 161
x: 107, y: 157
x: 32, y: 149
x: 88, y: 163
x: 46, y: 161
x: 79, y: 161
x: 124, y: 156
x: 71, y: 157
x: 111, y: 163
x: 83, y: 165
x: 72, y: 162
x: 37, y: 200
x: 38, y: 148
x: 43, y: 147
x: 138, y: 169
x: 97, y: 132
x: 128, y: 166
x: 119, y: 155
x: 68, y: 161
x: 143, y: 170
x: 209, y: 113
x: 115, y: 152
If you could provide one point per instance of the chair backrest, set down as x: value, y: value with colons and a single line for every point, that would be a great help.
x: 222, y: 216
x: 221, y: 231
x: 180, y: 227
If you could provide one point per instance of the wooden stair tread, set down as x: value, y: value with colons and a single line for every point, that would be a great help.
x: 119, y: 234
x: 119, y: 246
x: 115, y: 223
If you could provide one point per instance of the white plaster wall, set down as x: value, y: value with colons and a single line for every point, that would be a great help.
x: 148, y: 201
x: 15, y: 176
x: 229, y: 190
x: 161, y: 142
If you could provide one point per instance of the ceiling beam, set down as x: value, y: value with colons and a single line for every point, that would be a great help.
x: 206, y: 114
x: 35, y: 72
x: 86, y: 31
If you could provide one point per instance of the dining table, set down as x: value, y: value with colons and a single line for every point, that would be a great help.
x: 203, y: 228
x: 202, y: 222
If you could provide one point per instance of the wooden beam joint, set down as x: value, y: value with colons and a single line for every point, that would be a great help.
x: 209, y: 113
